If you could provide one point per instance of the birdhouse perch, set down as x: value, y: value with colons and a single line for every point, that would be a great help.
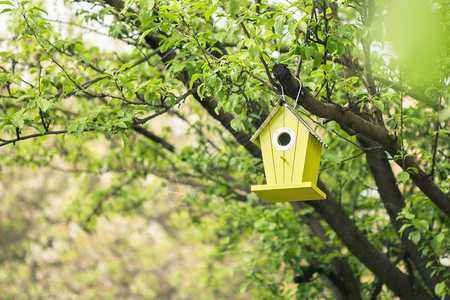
x: 291, y: 154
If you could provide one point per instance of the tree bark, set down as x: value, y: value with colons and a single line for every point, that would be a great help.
x: 359, y: 246
x: 342, y: 277
x: 394, y: 203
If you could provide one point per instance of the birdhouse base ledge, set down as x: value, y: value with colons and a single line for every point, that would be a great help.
x: 303, y: 191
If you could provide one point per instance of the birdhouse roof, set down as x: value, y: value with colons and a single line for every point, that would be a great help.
x: 273, y: 113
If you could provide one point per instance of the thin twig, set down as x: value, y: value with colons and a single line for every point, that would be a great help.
x: 436, y: 139
x: 264, y: 82
x: 344, y: 160
x: 36, y: 135
x: 167, y: 108
x: 299, y: 66
x: 196, y: 40
x: 266, y: 68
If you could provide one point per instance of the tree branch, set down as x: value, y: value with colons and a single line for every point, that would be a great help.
x: 342, y: 274
x: 352, y: 237
x: 394, y: 203
x: 153, y: 137
x: 36, y: 135
x: 372, y: 131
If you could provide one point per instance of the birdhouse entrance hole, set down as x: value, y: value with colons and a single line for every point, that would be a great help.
x: 283, y: 139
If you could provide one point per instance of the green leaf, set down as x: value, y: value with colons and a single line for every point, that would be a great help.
x: 43, y: 104
x: 407, y: 215
x: 279, y: 24
x: 404, y: 226
x: 125, y: 139
x: 414, y: 237
x: 128, y: 3
x: 413, y: 170
x: 144, y: 34
x: 39, y: 9
x: 150, y: 4
x: 253, y: 51
x: 440, y: 288
x: 403, y: 176
x: 260, y: 223
x: 177, y: 67
x: 210, y: 11
x: 309, y: 52
x: 236, y: 124
x: 331, y: 46
x: 303, y: 26
x: 424, y: 224
x: 73, y: 125
x: 233, y: 7
x: 121, y: 124
x: 326, y: 68
x: 440, y: 237
x: 18, y: 123
x: 193, y: 79
x: 218, y: 84
x: 379, y: 104
x: 288, y: 38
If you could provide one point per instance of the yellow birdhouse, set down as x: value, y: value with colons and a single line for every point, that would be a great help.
x: 291, y: 154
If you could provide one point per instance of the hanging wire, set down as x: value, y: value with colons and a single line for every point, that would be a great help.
x: 299, y: 90
x: 282, y: 93
x: 298, y: 95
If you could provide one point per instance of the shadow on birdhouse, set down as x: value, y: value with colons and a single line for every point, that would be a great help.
x: 291, y: 154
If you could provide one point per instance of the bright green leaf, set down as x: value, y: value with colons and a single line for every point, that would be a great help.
x: 414, y: 237
x: 440, y: 288
x: 253, y: 50
x: 193, y: 79
x: 403, y: 176
x: 210, y: 11
x: 233, y: 7
x: 43, y: 104
x: 73, y: 125
x: 121, y: 124
x: 404, y: 226
x: 380, y: 105
x: 5, y: 10
x: 144, y: 34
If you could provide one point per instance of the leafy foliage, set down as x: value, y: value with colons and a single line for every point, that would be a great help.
x: 180, y: 103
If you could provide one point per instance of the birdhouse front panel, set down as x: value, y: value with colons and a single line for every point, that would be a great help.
x: 291, y: 154
x: 283, y: 143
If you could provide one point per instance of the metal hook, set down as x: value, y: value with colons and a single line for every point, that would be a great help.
x: 299, y: 90
x: 282, y: 93
x: 298, y: 95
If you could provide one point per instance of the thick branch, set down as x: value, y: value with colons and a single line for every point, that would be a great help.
x: 343, y: 278
x: 225, y: 119
x: 357, y: 243
x: 154, y: 137
x: 394, y: 203
x: 374, y: 132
